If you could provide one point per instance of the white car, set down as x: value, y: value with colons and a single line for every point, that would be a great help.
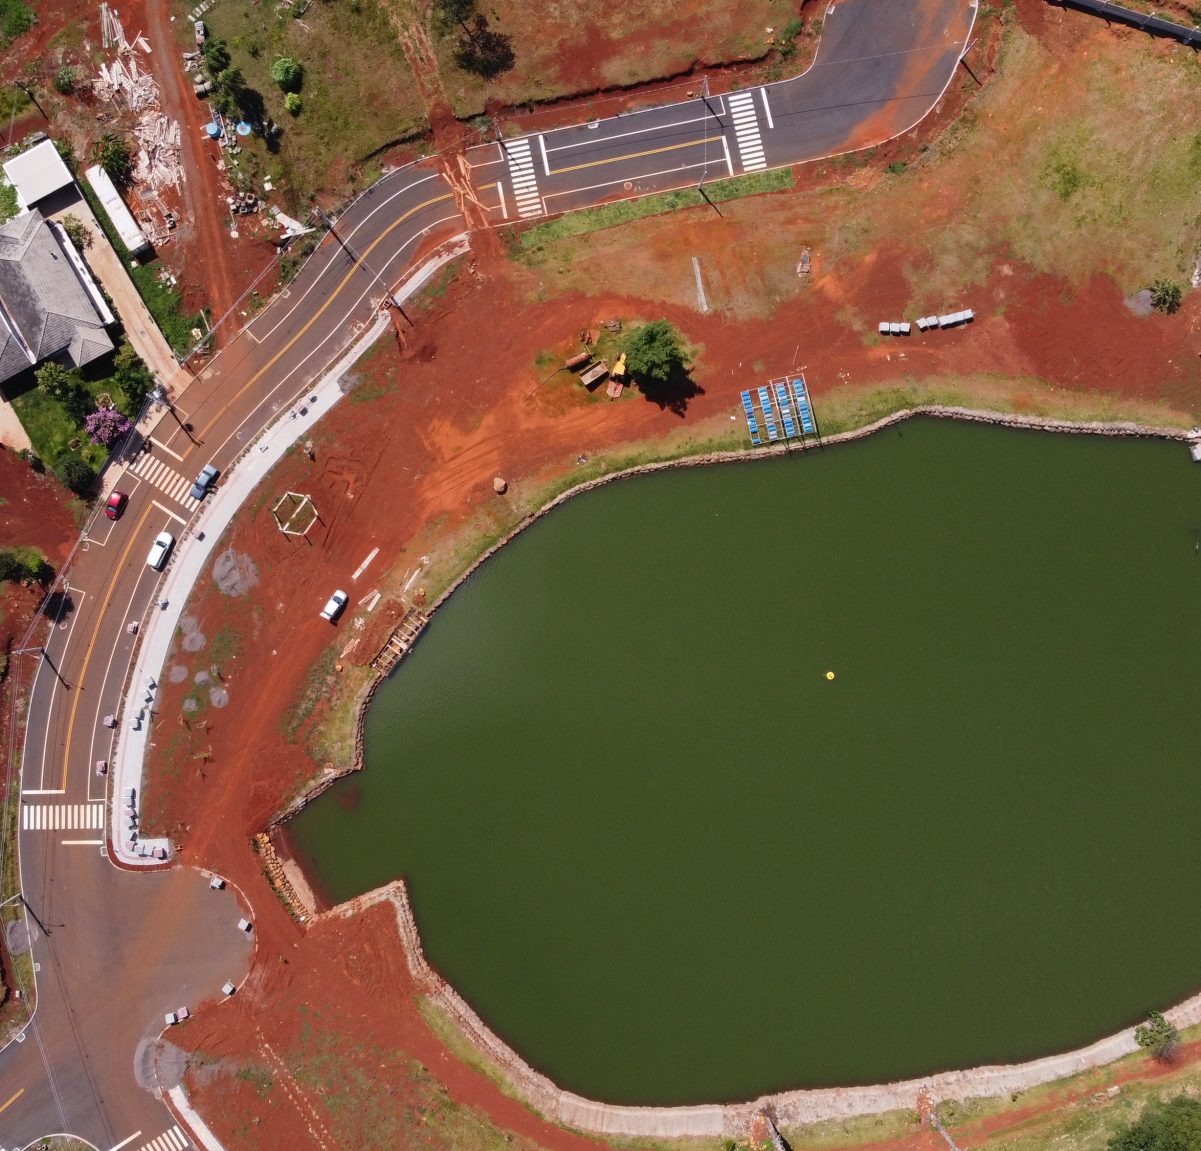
x: 163, y: 543
x: 334, y: 605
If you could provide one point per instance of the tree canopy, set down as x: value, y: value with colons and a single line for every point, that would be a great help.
x: 1158, y: 1035
x: 216, y: 55
x: 1172, y: 1126
x: 482, y: 50
x: 655, y: 355
x: 77, y: 474
x: 112, y: 154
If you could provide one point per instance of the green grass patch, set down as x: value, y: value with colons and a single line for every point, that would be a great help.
x: 13, y: 102
x: 310, y: 695
x: 165, y: 304
x: 16, y: 18
x: 358, y: 93
x: 532, y: 243
x: 51, y: 430
x: 162, y: 301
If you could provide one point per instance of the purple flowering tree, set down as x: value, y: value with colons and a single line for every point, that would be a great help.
x: 106, y: 426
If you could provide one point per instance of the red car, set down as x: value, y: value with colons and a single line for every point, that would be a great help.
x: 116, y: 505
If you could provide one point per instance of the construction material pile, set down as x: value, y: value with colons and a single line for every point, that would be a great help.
x: 125, y: 84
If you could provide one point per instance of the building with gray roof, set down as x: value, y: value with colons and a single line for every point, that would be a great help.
x: 46, y: 312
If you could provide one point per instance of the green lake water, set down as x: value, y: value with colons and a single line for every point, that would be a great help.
x: 669, y: 861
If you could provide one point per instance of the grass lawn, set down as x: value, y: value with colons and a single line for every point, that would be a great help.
x: 51, y: 430
x: 358, y: 93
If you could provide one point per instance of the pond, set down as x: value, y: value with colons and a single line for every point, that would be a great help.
x: 670, y: 860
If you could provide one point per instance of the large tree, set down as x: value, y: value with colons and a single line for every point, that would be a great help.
x: 655, y: 355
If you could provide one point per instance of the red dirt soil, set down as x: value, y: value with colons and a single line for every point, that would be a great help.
x: 459, y: 411
x: 456, y: 421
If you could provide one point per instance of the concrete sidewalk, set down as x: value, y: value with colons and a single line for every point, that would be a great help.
x: 193, y: 550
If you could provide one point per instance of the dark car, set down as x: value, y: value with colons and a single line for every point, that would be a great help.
x: 116, y: 505
x: 204, y: 482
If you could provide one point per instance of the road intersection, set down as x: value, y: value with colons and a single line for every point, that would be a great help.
x: 114, y: 949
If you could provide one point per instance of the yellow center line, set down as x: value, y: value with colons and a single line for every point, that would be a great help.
x: 241, y: 391
x: 321, y: 310
x: 637, y: 155
x: 5, y: 1106
x: 87, y: 655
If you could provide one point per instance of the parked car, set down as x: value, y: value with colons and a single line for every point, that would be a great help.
x: 161, y: 549
x: 334, y: 605
x: 116, y: 505
x: 204, y: 482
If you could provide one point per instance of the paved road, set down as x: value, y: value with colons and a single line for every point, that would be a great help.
x: 116, y: 950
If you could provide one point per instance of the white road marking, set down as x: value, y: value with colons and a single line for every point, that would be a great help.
x: 160, y: 444
x: 524, y: 179
x: 622, y: 180
x: 57, y: 685
x: 504, y: 208
x: 82, y: 842
x: 118, y: 1146
x: 545, y: 161
x: 61, y: 816
x: 746, y: 131
x: 169, y: 512
x: 163, y: 476
x: 594, y: 141
x: 726, y: 148
x: 767, y: 108
x: 43, y: 791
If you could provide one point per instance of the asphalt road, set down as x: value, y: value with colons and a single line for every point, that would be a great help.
x: 116, y: 950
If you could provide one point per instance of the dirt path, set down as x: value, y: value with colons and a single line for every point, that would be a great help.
x: 209, y: 257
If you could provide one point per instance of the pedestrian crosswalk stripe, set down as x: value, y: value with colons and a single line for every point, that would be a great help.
x: 523, y: 177
x: 62, y: 816
x: 746, y: 131
x: 164, y: 477
x: 170, y: 1140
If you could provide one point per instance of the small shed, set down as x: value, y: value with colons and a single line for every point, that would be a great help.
x: 37, y: 173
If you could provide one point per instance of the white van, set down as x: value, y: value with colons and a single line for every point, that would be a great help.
x: 163, y: 543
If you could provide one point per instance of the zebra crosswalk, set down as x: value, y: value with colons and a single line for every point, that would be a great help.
x: 62, y: 816
x: 173, y: 1139
x: 746, y: 130
x: 523, y: 177
x: 164, y: 477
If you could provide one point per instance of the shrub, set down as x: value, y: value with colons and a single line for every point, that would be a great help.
x: 112, y: 154
x: 1165, y: 296
x: 77, y: 474
x: 293, y: 104
x: 1159, y: 1036
x: 17, y: 564
x: 77, y: 232
x: 287, y: 73
x: 65, y: 80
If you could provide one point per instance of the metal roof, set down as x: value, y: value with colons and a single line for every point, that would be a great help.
x: 37, y: 173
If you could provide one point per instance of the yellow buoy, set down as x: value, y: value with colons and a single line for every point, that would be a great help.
x: 829, y: 675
